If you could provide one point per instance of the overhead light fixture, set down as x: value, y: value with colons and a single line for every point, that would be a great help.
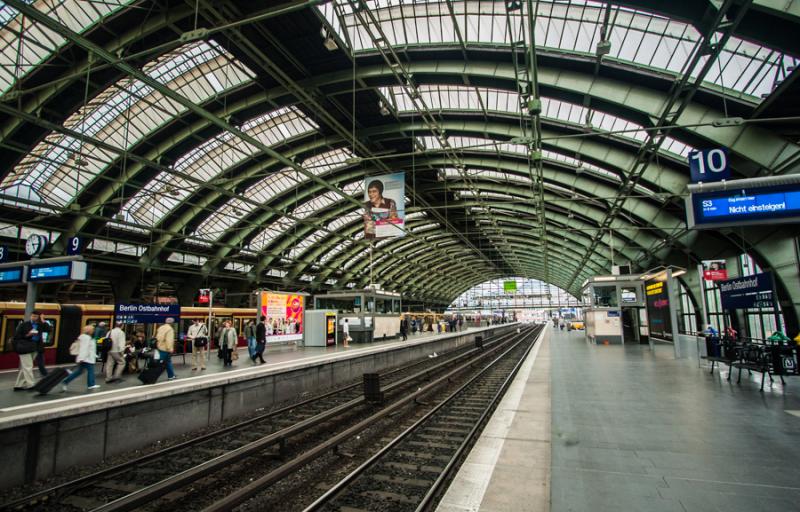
x: 327, y: 40
x: 119, y: 216
x: 602, y: 48
x: 383, y: 109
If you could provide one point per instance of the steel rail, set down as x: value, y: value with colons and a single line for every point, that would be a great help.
x: 256, y: 486
x: 62, y: 490
x: 151, y: 492
x: 340, y: 486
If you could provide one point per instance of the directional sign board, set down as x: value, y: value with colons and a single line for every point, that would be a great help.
x: 146, y: 313
x: 754, y: 291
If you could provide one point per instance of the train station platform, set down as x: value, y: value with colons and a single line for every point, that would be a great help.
x: 47, y: 435
x: 609, y: 428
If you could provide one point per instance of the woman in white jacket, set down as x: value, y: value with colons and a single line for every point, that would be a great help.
x: 87, y: 355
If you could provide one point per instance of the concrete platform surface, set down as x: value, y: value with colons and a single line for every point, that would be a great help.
x: 508, y: 469
x: 20, y: 407
x: 640, y: 430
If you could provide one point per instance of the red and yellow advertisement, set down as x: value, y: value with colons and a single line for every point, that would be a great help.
x: 284, y: 313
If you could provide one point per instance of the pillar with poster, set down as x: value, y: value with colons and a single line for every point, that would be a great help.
x: 285, y: 315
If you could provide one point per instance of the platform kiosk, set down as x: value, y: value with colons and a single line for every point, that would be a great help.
x: 371, y: 314
x: 614, y: 311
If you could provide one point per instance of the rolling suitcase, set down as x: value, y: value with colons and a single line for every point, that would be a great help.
x: 152, y: 371
x: 49, y: 381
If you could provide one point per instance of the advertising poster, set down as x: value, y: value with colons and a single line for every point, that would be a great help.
x: 658, y: 310
x: 509, y: 286
x: 384, y: 205
x: 284, y: 312
x: 714, y: 270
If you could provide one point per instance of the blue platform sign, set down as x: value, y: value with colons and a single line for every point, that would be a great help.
x: 738, y: 207
x: 754, y: 291
x: 146, y: 313
x: 708, y: 165
x: 74, y: 246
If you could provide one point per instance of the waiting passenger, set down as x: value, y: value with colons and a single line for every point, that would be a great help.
x: 228, y: 341
x: 346, y: 333
x: 198, y: 338
x: 261, y: 340
x: 165, y: 343
x: 115, y: 363
x: 86, y: 358
x: 250, y: 335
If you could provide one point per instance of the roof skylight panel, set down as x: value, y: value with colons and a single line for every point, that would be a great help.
x: 38, y: 43
x: 121, y: 115
x: 213, y: 157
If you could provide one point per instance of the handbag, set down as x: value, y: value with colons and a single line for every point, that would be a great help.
x: 200, y: 342
x: 24, y: 346
x: 75, y: 348
x: 235, y: 355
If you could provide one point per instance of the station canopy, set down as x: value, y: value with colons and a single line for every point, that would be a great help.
x: 231, y: 140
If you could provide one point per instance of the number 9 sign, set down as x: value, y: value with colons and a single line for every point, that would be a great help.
x: 74, y: 246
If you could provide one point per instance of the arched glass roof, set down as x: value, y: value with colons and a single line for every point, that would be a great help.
x: 240, y: 150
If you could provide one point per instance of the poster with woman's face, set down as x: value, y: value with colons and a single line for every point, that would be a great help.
x: 384, y: 205
x: 714, y: 270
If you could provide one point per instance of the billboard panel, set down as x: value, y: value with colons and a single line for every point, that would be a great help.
x: 715, y: 270
x: 284, y: 312
x: 384, y: 205
x: 657, y: 300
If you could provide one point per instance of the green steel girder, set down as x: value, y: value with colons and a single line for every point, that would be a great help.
x: 400, y: 248
x: 530, y: 262
x: 153, y: 24
x: 522, y: 242
x: 757, y: 145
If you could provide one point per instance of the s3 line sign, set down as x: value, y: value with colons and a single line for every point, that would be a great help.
x: 743, y: 206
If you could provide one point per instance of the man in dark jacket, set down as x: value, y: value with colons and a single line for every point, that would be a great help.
x: 261, y: 341
x: 28, y: 341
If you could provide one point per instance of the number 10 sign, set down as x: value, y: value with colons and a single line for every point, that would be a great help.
x: 709, y: 165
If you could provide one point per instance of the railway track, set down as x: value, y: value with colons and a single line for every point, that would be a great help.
x: 140, y: 483
x: 410, y: 473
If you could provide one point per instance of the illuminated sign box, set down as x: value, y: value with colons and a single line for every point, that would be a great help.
x: 11, y: 275
x: 743, y: 206
x: 64, y: 271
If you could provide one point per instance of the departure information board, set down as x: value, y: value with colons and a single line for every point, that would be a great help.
x: 11, y: 275
x: 64, y: 271
x: 737, y: 207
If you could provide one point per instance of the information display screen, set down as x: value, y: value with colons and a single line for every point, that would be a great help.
x: 11, y: 275
x: 738, y: 207
x: 57, y: 271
